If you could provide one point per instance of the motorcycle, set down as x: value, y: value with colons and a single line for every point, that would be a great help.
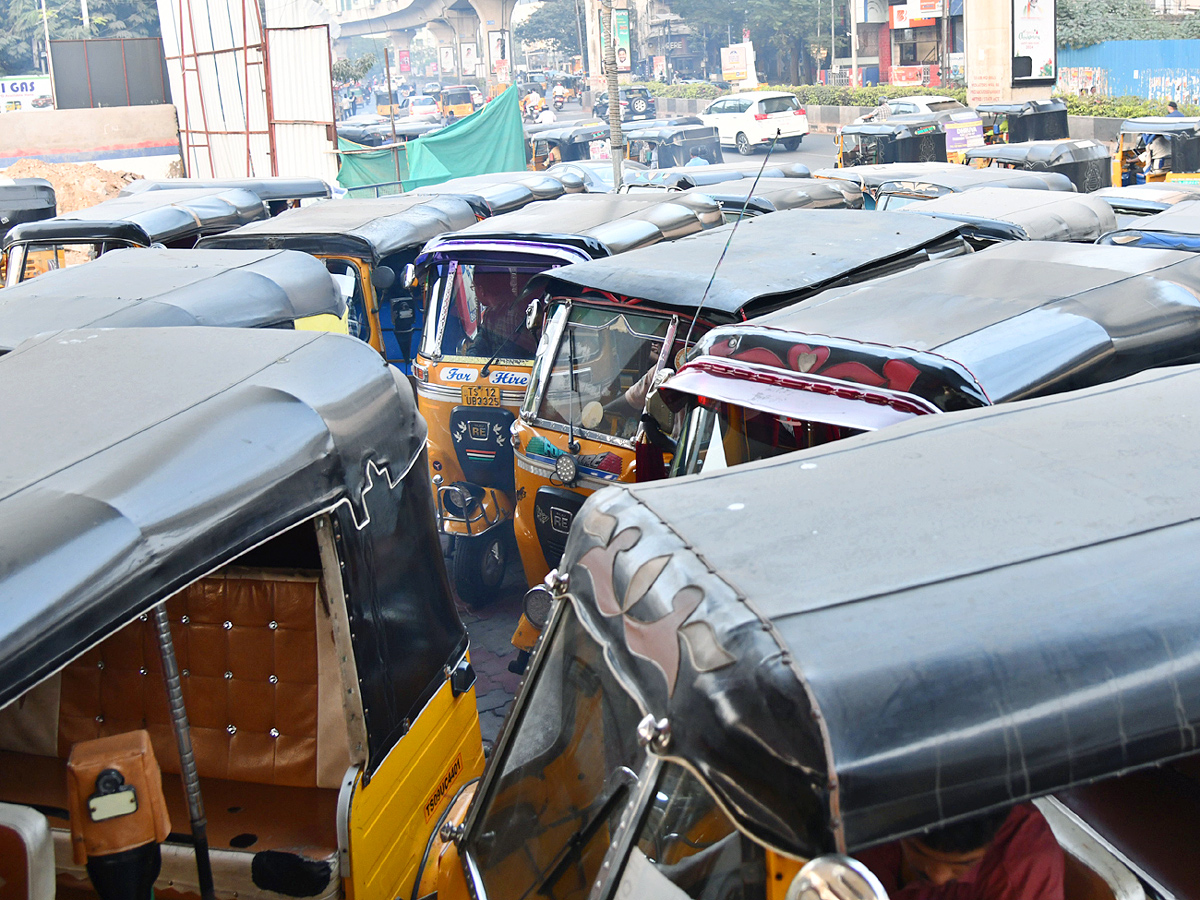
x: 558, y: 104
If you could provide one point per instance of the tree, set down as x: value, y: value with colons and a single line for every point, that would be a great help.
x: 553, y: 24
x: 23, y: 31
x: 344, y: 70
x: 1082, y: 23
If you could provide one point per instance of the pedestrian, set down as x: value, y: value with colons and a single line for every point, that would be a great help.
x: 353, y: 104
x: 1173, y: 110
x: 345, y: 106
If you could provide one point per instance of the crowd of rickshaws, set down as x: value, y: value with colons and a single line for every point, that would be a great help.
x: 835, y: 600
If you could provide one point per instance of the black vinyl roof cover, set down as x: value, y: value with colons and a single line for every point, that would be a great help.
x: 1049, y: 153
x: 964, y: 178
x: 1022, y: 214
x: 902, y: 126
x: 1162, y: 125
x: 149, y: 288
x: 171, y: 215
x: 272, y: 188
x: 371, y: 229
x: 25, y: 200
x: 880, y: 173
x: 135, y: 461
x: 1011, y: 322
x: 771, y: 258
x: 771, y: 194
x: 1182, y: 218
x: 975, y: 609
x: 1024, y: 107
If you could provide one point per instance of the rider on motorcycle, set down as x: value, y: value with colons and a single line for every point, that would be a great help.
x: 560, y: 96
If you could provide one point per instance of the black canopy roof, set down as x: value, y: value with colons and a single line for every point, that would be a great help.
x: 136, y: 460
x: 772, y: 259
x: 144, y: 288
x: 874, y: 175
x: 601, y: 224
x: 965, y: 178
x: 1152, y: 196
x: 1018, y: 214
x: 503, y: 192
x: 1162, y: 125
x: 370, y: 229
x: 25, y: 200
x: 904, y: 126
x: 773, y: 194
x: 684, y: 177
x: 1041, y: 153
x: 1182, y: 218
x: 897, y: 630
x: 271, y: 188
x: 666, y: 133
x: 1011, y: 322
x: 163, y: 216
x: 1023, y: 107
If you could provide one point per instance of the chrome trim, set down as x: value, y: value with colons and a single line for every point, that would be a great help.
x: 597, y: 436
x: 608, y: 878
x: 446, y: 516
x: 345, y: 802
x: 474, y: 880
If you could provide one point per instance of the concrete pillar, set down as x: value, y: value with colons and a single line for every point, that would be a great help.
x: 989, y: 48
x: 495, y: 18
x: 444, y: 33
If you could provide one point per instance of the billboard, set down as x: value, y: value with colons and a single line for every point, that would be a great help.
x: 470, y: 57
x: 621, y: 26
x: 403, y: 61
x: 1034, y: 53
x: 446, y: 59
x: 25, y: 93
x: 735, y: 62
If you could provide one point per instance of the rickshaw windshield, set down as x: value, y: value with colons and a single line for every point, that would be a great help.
x: 563, y: 781
x: 744, y: 435
x: 686, y: 847
x: 601, y: 371
x: 861, y: 149
x: 480, y: 313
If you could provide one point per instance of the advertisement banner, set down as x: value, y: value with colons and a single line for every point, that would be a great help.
x: 900, y: 19
x: 25, y: 93
x: 469, y: 53
x: 499, y: 50
x: 403, y: 61
x: 735, y: 62
x: 907, y: 75
x: 964, y: 131
x: 446, y: 59
x: 1035, y: 57
x: 621, y: 27
x: 660, y: 67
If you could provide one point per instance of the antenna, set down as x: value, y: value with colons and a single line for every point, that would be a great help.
x: 738, y: 221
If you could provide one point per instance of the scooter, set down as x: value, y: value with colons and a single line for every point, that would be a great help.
x: 558, y: 104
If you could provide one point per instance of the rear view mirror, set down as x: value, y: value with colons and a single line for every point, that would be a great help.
x: 533, y: 312
x: 835, y: 877
x: 409, y: 278
x: 382, y: 278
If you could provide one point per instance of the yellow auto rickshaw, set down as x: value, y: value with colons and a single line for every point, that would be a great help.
x: 1158, y: 148
x: 455, y: 102
x: 475, y: 356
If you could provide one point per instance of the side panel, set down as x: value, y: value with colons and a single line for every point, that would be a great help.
x: 392, y: 817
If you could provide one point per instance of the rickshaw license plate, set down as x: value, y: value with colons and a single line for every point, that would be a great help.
x: 481, y: 395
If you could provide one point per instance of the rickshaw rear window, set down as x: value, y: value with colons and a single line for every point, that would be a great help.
x: 687, y: 847
x: 779, y: 104
x: 563, y: 781
x: 942, y: 105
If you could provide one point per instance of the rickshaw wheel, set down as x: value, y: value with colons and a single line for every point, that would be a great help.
x: 744, y: 146
x: 480, y: 564
x: 791, y: 143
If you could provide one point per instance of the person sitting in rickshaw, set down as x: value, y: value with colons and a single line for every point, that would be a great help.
x: 1009, y: 855
x: 697, y: 157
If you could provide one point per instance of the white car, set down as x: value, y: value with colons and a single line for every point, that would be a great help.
x: 904, y: 106
x: 748, y: 121
x: 420, y: 105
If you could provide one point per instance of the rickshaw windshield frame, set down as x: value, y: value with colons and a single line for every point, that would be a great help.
x: 616, y: 786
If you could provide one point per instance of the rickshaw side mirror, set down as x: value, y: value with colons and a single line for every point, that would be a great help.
x: 382, y: 277
x: 533, y: 312
x: 409, y: 276
x: 835, y: 877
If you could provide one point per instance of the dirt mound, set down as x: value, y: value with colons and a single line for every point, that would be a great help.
x: 76, y: 185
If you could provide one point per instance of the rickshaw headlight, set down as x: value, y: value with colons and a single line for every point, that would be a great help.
x: 536, y: 606
x: 566, y: 469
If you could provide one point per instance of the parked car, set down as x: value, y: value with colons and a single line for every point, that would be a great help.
x: 636, y: 103
x: 904, y: 106
x: 750, y: 120
x: 418, y: 105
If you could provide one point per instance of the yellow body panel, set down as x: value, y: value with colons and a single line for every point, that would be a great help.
x: 528, y: 483
x: 334, y: 324
x: 392, y: 817
x: 370, y: 302
x: 444, y: 873
x: 780, y: 872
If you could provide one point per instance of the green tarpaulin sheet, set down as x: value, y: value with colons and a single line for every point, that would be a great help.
x: 490, y: 140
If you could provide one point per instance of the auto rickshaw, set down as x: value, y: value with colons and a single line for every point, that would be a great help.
x: 611, y: 328
x: 387, y: 132
x: 150, y: 288
x: 828, y: 652
x: 220, y: 563
x: 872, y: 178
x: 1009, y: 323
x: 918, y: 137
x: 171, y: 218
x: 1176, y: 228
x: 279, y: 193
x: 550, y: 144
x: 385, y: 101
x: 1017, y: 214
x: 669, y: 145
x: 1086, y: 163
x: 503, y: 192
x: 23, y: 200
x: 454, y: 102
x: 929, y: 186
x: 476, y: 354
x: 367, y: 242
x: 746, y: 197
x: 1031, y: 120
x: 1135, y: 201
x: 684, y: 177
x: 1158, y: 148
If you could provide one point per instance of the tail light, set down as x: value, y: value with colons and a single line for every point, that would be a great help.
x: 760, y: 117
x: 799, y: 112
x: 421, y: 372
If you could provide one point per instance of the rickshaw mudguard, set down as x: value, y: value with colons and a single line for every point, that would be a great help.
x: 494, y: 509
x: 526, y: 635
